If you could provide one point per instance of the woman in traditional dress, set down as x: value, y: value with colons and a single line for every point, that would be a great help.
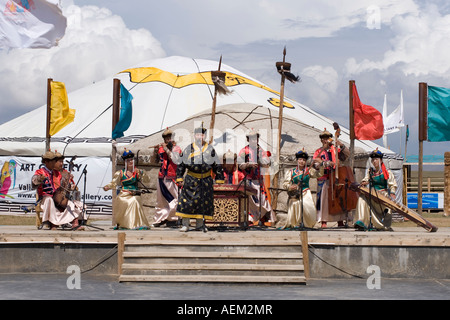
x: 295, y: 180
x: 128, y: 212
x: 371, y: 214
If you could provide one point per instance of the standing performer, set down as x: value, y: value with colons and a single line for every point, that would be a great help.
x: 53, y: 215
x: 166, y: 188
x: 231, y: 172
x: 370, y: 213
x: 128, y: 212
x: 251, y: 159
x: 326, y: 156
x: 300, y: 200
x: 196, y: 200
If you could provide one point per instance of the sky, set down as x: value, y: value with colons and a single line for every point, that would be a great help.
x: 386, y: 46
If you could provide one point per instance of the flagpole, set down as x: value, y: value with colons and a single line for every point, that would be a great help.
x: 219, y: 74
x: 49, y: 110
x: 115, y: 120
x: 351, y: 84
x: 423, y: 110
x: 281, y: 67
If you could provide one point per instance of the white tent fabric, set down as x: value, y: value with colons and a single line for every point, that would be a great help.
x: 166, y: 91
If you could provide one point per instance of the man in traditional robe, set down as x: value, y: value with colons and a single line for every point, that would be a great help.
x: 196, y: 201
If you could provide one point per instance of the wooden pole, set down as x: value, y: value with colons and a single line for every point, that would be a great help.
x: 213, y: 111
x: 351, y: 84
x: 446, y: 184
x: 281, y: 66
x: 47, y: 129
x: 423, y: 110
x: 115, y: 119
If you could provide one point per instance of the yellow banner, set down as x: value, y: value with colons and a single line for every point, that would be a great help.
x: 149, y: 74
x: 60, y: 114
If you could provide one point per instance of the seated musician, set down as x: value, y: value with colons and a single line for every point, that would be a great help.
x: 63, y: 180
x: 296, y: 181
x: 231, y: 172
x: 128, y: 212
x: 53, y: 215
x: 376, y: 215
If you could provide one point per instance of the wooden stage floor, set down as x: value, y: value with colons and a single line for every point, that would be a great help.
x: 407, y: 236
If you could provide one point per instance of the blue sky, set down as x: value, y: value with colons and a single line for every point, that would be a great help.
x: 385, y: 46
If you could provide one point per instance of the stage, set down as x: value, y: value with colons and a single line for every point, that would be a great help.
x: 409, y: 252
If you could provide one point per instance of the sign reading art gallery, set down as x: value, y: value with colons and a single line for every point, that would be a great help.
x: 15, y: 182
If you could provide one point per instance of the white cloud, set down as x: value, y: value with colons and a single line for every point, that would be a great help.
x: 420, y: 47
x: 97, y: 45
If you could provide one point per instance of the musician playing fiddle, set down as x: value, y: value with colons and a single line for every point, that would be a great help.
x: 45, y: 181
x: 326, y: 157
x: 383, y: 181
x: 296, y: 181
x: 128, y: 212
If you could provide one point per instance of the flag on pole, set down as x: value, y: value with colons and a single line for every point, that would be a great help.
x: 438, y: 114
x: 126, y: 113
x: 31, y: 23
x: 60, y: 114
x: 368, y: 121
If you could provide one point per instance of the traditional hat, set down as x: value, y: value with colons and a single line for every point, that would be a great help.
x: 127, y: 154
x: 302, y: 154
x: 252, y: 133
x: 230, y: 155
x: 325, y: 134
x: 58, y: 155
x: 376, y: 154
x: 200, y: 129
x: 167, y: 132
x: 48, y: 155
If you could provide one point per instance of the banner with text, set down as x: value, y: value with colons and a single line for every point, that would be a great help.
x: 15, y: 182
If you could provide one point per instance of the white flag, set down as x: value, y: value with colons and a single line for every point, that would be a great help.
x: 394, y: 121
x: 31, y: 23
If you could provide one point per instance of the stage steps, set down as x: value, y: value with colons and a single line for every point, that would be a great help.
x: 200, y: 257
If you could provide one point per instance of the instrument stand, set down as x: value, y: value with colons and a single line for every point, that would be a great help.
x: 83, y: 222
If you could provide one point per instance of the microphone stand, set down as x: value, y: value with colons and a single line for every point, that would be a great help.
x: 83, y: 222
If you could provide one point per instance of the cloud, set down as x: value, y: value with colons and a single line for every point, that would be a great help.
x: 419, y: 47
x: 97, y: 45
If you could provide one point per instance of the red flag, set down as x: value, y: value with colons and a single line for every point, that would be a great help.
x: 368, y: 121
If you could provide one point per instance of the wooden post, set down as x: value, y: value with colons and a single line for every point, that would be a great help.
x: 423, y: 110
x: 115, y: 119
x: 49, y: 98
x: 447, y: 184
x: 281, y: 66
x: 219, y: 74
x: 351, y: 84
x: 305, y: 253
x: 121, y: 237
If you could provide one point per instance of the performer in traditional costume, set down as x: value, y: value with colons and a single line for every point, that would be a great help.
x: 231, y: 172
x: 196, y: 199
x: 370, y: 214
x: 44, y: 180
x: 326, y: 156
x: 252, y: 158
x: 128, y: 212
x: 167, y: 188
x: 296, y: 181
